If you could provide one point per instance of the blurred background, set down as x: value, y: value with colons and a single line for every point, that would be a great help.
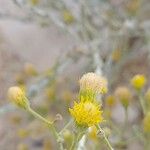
x: 47, y: 45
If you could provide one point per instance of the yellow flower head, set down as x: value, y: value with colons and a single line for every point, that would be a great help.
x: 17, y: 96
x: 93, y: 83
x: 138, y: 81
x: 146, y: 123
x: 86, y: 113
x: 124, y: 95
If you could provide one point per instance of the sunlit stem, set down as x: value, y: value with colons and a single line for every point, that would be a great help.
x: 142, y: 102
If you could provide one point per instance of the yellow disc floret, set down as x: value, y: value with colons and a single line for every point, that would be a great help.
x: 86, y: 113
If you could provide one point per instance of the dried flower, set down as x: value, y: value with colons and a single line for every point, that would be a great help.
x: 86, y: 113
x: 93, y: 83
x: 17, y: 96
x: 138, y: 81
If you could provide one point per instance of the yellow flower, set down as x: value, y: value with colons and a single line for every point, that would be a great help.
x: 17, y: 96
x: 124, y: 95
x: 138, y: 81
x: 86, y: 113
x: 146, y: 123
x: 93, y: 83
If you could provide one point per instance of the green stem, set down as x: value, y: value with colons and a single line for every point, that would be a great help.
x: 35, y: 114
x: 142, y: 103
x: 66, y: 126
x: 105, y: 138
x: 50, y: 125
x: 74, y: 142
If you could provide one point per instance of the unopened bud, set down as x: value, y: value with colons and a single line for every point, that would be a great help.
x: 17, y: 96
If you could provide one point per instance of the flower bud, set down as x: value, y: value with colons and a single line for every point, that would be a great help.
x: 17, y: 96
x: 124, y: 95
x: 138, y: 81
x: 68, y: 17
x: 68, y: 136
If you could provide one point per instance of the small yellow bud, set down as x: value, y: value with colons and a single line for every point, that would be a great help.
x: 133, y: 6
x: 146, y: 123
x: 68, y: 17
x: 17, y: 96
x: 20, y: 78
x: 110, y: 101
x: 93, y: 83
x: 68, y: 137
x: 123, y: 94
x: 50, y: 92
x: 116, y: 55
x: 23, y: 133
x: 34, y: 2
x: 138, y: 81
x: 30, y: 70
